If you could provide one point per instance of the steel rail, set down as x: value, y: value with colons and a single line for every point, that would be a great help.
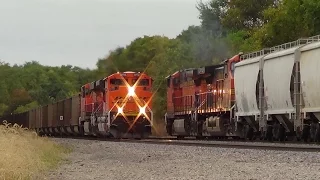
x: 210, y: 143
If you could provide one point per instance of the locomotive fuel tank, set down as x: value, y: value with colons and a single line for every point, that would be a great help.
x: 179, y: 127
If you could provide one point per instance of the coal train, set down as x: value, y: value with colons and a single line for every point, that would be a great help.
x: 272, y: 94
x: 118, y: 106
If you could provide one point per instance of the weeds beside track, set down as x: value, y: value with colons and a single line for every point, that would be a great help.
x: 25, y: 155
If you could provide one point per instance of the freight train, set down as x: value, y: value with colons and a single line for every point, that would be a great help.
x: 272, y: 94
x: 118, y: 106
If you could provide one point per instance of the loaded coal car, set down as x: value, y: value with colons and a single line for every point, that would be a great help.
x: 22, y: 119
x: 61, y: 117
x: 200, y: 101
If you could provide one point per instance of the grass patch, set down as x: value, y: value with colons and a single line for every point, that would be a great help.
x: 25, y: 155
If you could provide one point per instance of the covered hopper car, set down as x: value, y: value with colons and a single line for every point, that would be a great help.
x: 119, y: 105
x: 272, y: 94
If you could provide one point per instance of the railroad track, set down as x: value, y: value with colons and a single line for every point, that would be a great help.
x: 278, y: 146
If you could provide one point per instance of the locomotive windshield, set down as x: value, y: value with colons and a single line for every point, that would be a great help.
x: 142, y: 82
x: 116, y: 82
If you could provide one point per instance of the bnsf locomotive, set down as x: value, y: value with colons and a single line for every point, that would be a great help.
x: 271, y: 94
x: 199, y: 101
x: 118, y: 106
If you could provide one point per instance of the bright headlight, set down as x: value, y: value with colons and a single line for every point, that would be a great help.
x: 130, y: 91
x: 120, y: 110
x: 142, y: 110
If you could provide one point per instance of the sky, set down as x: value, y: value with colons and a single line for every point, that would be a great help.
x: 79, y: 32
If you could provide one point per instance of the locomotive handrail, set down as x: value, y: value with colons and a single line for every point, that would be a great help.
x: 231, y: 112
x: 203, y: 102
x: 204, y: 97
x: 96, y: 110
x: 151, y: 112
x: 209, y: 92
x: 182, y: 96
x: 109, y: 113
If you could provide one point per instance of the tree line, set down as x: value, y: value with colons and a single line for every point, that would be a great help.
x: 227, y: 28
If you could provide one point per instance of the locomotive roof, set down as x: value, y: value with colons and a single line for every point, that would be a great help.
x: 125, y: 72
x: 206, y: 70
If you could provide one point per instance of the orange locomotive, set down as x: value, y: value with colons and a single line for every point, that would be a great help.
x: 118, y: 106
x: 200, y: 101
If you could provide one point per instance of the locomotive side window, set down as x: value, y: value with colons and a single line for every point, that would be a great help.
x: 226, y: 71
x: 176, y: 81
x: 83, y: 91
x: 168, y: 82
x: 232, y: 68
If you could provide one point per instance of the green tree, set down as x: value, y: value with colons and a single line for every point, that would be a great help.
x: 23, y: 87
x: 239, y: 23
x: 135, y: 56
x: 3, y: 109
x: 245, y: 14
x: 4, y: 94
x: 29, y: 106
x: 211, y: 14
x: 291, y: 20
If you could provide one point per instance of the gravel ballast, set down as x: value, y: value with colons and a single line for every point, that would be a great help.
x: 123, y: 160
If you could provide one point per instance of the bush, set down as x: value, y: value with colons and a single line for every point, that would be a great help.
x: 24, y: 154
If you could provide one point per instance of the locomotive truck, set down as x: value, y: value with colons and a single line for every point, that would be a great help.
x: 119, y: 105
x: 270, y: 94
